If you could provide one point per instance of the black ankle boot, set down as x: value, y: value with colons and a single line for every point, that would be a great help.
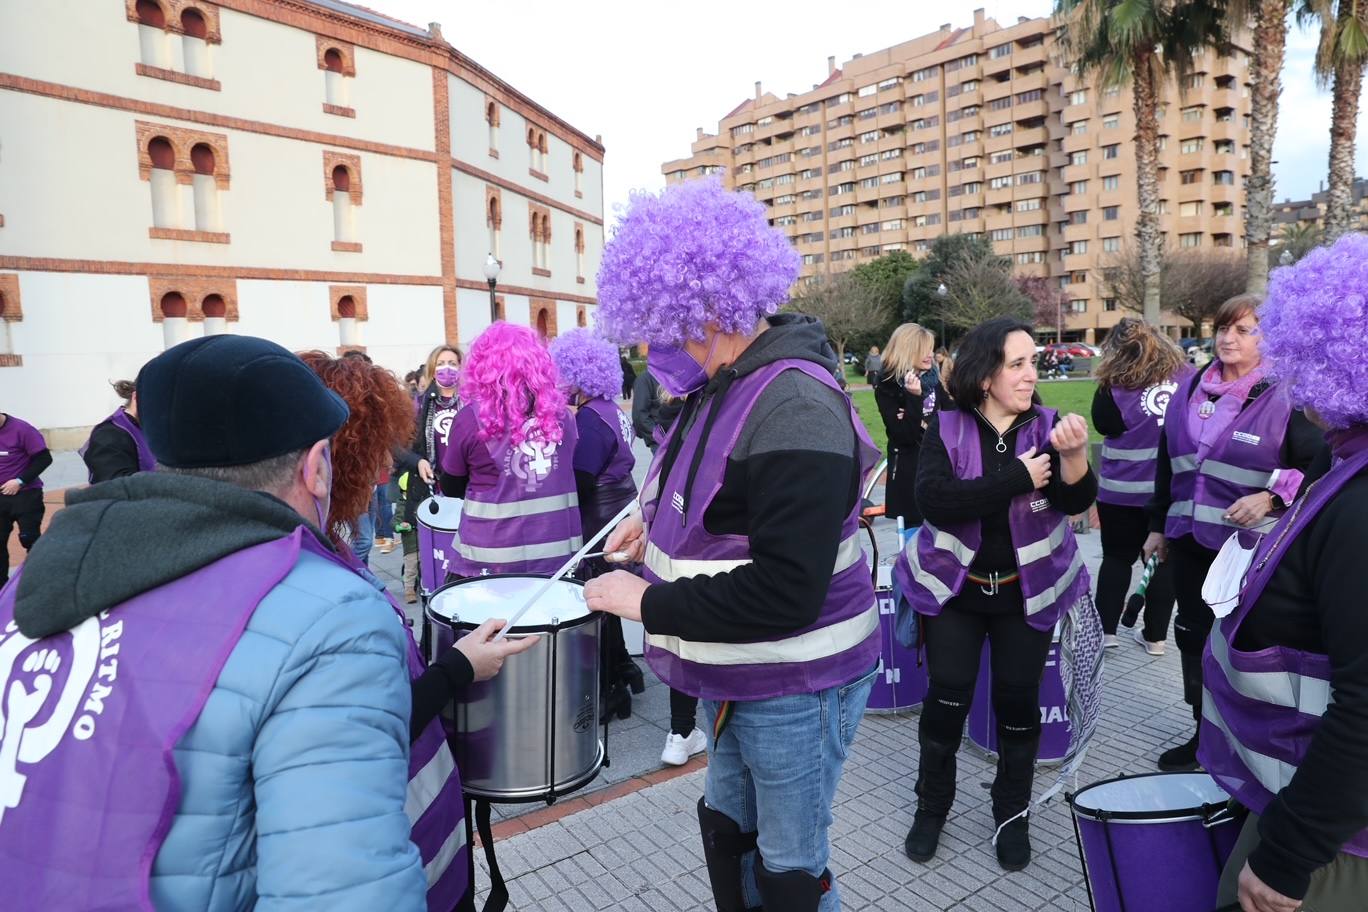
x: 1180, y: 759
x: 1014, y: 844
x: 629, y: 673
x: 924, y: 837
x: 616, y: 703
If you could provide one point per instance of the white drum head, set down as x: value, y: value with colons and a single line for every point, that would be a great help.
x: 1159, y: 795
x: 440, y: 513
x: 476, y: 600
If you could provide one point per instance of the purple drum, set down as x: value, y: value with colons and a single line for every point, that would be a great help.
x: 1054, y: 715
x: 899, y: 682
x: 1154, y: 841
x: 438, y: 520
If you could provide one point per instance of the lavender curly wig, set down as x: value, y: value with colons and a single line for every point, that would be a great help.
x: 509, y: 378
x: 1313, y: 324
x: 587, y: 362
x: 693, y: 255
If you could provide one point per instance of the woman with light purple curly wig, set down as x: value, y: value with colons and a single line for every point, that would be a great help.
x: 1295, y: 604
x: 588, y: 363
x: 509, y: 456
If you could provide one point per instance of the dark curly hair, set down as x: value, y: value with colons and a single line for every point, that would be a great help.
x: 381, y: 419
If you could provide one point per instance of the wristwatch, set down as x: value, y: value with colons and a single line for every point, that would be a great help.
x: 1276, y: 501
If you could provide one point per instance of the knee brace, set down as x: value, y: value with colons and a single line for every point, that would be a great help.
x: 791, y: 891
x: 723, y: 847
x: 944, y: 711
x: 1018, y: 710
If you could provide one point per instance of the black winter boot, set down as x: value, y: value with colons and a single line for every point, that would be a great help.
x: 1011, y: 793
x: 1183, y: 758
x: 935, y: 795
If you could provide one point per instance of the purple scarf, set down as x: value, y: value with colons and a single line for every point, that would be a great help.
x: 1233, y: 393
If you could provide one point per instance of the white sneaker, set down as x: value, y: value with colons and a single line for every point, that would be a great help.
x: 1109, y: 641
x: 1154, y: 649
x: 678, y: 749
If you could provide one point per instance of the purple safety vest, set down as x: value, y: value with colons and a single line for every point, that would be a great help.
x: 1260, y: 710
x: 1241, y: 462
x: 1126, y: 474
x: 120, y: 419
x: 838, y: 647
x: 527, y: 520
x: 616, y: 487
x: 934, y: 565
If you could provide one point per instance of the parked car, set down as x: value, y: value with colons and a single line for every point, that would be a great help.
x: 1074, y: 349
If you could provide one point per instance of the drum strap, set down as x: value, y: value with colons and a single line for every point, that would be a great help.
x: 497, y: 900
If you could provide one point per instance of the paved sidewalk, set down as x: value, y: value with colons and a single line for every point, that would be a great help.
x: 641, y: 851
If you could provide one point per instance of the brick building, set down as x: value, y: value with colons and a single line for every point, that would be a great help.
x: 305, y: 170
x: 981, y: 130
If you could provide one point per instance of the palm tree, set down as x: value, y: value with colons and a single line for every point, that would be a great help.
x: 1141, y: 42
x: 1268, y: 46
x: 1296, y: 240
x: 1340, y: 60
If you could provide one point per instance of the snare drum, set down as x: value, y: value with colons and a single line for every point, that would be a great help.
x: 438, y: 520
x: 1054, y: 710
x: 1156, y: 841
x: 899, y: 682
x: 531, y: 732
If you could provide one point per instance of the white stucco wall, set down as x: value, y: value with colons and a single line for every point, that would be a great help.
x: 275, y: 210
x: 267, y: 71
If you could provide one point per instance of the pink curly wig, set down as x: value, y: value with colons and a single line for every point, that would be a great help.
x: 509, y: 378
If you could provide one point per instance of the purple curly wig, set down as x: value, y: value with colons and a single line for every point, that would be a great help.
x: 1313, y: 324
x: 509, y: 378
x: 693, y: 255
x: 588, y: 362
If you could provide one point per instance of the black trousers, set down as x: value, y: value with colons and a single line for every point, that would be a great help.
x: 683, y: 713
x: 1124, y: 530
x: 954, y: 642
x: 1191, y: 561
x: 25, y: 510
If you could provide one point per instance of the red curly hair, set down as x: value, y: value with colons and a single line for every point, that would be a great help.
x: 381, y: 419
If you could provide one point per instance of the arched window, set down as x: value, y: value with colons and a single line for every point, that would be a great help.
x: 494, y: 221
x: 194, y: 42
x: 348, y: 333
x: 532, y: 149
x: 335, y: 91
x: 343, y: 223
x: 175, y: 326
x: 152, y: 38
x: 579, y: 174
x: 4, y: 329
x: 332, y: 60
x: 215, y: 311
x: 492, y: 118
x: 579, y: 252
x: 205, y: 188
x: 581, y: 319
x: 542, y: 321
x: 165, y: 192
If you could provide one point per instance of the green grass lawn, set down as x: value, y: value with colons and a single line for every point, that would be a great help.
x: 1062, y: 395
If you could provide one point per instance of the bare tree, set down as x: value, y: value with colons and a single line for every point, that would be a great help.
x: 979, y: 288
x: 846, y: 306
x: 1193, y: 282
x: 1047, y: 302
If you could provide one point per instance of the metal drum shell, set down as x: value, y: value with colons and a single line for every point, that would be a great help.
x: 526, y: 734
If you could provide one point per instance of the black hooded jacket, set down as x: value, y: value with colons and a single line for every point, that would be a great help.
x: 788, y: 486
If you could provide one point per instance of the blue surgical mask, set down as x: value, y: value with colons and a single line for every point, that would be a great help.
x: 679, y: 374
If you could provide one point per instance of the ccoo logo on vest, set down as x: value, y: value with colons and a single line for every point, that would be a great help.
x: 625, y: 424
x: 48, y: 689
x: 1155, y: 399
x: 533, y: 459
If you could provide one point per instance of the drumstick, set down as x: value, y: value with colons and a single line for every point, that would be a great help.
x: 579, y: 556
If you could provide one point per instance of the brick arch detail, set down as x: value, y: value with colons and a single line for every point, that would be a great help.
x: 347, y: 50
x: 494, y: 195
x: 579, y: 237
x: 333, y: 160
x: 173, y: 9
x: 182, y: 141
x: 194, y: 289
x: 581, y: 315
x: 536, y: 307
x: 358, y: 295
x: 9, y: 290
x: 539, y: 223
x: 496, y: 109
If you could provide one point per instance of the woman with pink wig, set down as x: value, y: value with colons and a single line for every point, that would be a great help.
x: 510, y: 456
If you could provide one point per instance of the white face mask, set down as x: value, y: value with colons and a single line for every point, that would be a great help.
x: 1226, y: 578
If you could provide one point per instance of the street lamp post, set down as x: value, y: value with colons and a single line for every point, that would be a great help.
x: 491, y: 274
x: 941, y: 292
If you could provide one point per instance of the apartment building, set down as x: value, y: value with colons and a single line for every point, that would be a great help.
x: 1310, y: 212
x: 981, y: 130
x: 305, y: 170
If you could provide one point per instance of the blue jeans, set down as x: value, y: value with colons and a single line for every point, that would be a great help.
x: 363, y: 537
x: 383, y: 509
x: 774, y: 772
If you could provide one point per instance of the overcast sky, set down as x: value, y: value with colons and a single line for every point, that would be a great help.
x: 644, y: 74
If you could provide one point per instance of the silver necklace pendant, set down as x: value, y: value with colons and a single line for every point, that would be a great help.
x: 1206, y: 409
x: 1001, y: 445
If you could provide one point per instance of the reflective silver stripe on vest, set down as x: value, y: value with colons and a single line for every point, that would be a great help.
x: 1215, y: 516
x: 1303, y: 693
x: 669, y: 569
x: 1029, y: 554
x: 515, y: 553
x: 1125, y: 487
x: 944, y: 541
x: 1186, y: 463
x: 1273, y: 774
x: 821, y: 643
x: 435, y: 868
x: 1110, y: 452
x: 424, y: 787
x: 1235, y: 475
x: 939, y: 591
x: 479, y: 509
x: 1042, y: 600
x: 1180, y: 508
